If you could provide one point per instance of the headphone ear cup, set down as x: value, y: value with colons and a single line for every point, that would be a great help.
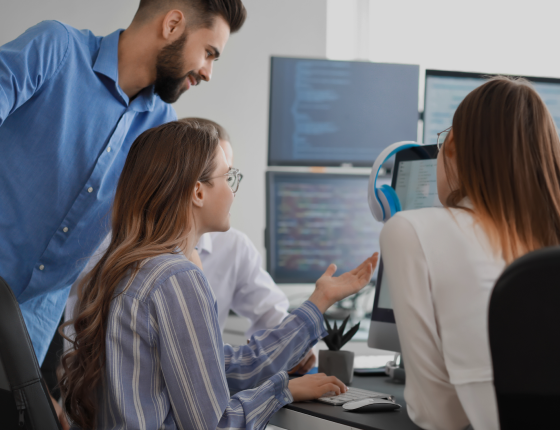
x: 390, y: 201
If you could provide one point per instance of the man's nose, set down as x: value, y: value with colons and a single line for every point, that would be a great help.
x: 206, y: 72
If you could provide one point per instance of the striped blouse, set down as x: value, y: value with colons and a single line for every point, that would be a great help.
x: 167, y: 367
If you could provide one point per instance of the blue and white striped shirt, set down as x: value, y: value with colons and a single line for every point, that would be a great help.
x: 167, y: 367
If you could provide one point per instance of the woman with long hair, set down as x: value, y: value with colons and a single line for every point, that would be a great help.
x: 498, y: 177
x: 147, y: 351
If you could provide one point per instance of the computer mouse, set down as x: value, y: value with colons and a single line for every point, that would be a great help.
x: 371, y: 405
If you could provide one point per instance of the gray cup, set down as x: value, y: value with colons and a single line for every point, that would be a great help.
x: 337, y: 363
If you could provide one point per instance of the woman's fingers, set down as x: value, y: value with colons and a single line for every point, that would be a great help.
x: 330, y: 387
x: 311, y: 387
x: 330, y: 270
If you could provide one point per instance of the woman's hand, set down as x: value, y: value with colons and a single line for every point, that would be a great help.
x: 305, y: 364
x: 330, y: 289
x: 310, y: 387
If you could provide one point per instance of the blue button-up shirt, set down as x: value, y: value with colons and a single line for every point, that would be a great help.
x: 65, y: 131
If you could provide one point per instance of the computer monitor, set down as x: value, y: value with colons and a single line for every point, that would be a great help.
x: 414, y: 180
x: 316, y: 219
x: 329, y: 113
x: 445, y: 90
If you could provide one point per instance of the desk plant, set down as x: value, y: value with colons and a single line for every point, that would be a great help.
x: 334, y: 361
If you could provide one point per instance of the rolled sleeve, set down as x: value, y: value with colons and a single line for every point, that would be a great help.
x: 272, y: 351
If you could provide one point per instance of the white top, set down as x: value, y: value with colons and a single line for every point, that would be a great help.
x: 441, y: 270
x: 233, y: 267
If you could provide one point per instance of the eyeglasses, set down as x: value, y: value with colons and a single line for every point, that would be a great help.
x: 441, y: 136
x: 234, y: 177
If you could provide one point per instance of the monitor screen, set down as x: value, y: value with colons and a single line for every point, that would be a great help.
x: 414, y: 181
x: 314, y: 220
x: 328, y: 113
x: 445, y: 90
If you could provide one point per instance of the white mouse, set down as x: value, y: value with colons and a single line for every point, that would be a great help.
x: 370, y: 405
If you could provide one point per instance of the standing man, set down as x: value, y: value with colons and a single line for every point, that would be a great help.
x: 71, y: 104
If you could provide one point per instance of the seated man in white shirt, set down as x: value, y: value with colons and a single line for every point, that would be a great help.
x: 233, y: 267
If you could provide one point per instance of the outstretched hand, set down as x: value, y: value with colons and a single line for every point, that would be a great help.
x: 330, y: 289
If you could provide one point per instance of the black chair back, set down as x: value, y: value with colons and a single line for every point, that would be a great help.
x: 524, y: 332
x: 24, y: 400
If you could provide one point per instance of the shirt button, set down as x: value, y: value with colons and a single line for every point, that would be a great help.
x: 90, y: 189
x: 286, y: 399
x: 65, y: 229
x: 41, y: 267
x: 109, y: 149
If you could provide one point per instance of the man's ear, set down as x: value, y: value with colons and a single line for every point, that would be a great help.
x: 173, y: 25
x: 198, y: 195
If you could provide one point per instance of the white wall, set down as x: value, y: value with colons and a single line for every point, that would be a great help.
x: 237, y: 96
x: 488, y: 36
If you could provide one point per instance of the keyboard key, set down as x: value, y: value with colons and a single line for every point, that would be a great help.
x: 351, y: 395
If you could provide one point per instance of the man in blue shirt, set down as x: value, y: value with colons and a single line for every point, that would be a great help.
x: 71, y: 104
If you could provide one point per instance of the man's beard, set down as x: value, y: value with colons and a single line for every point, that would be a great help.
x: 169, y: 68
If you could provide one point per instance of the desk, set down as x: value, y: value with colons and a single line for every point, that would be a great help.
x: 319, y: 416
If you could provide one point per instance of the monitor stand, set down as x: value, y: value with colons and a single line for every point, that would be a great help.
x: 395, y: 369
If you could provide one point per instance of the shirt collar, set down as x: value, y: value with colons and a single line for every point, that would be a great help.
x: 107, y: 64
x: 205, y: 243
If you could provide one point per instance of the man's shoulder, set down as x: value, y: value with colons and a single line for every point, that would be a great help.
x: 232, y: 238
x: 54, y: 29
x: 165, y: 110
x: 59, y: 31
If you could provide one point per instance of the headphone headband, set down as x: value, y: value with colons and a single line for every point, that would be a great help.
x: 381, y: 210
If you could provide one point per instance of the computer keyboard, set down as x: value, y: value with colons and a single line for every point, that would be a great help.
x: 353, y: 394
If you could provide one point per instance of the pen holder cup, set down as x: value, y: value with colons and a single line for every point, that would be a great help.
x: 337, y: 363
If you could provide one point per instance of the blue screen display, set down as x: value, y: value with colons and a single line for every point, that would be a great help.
x: 333, y: 112
x: 445, y: 93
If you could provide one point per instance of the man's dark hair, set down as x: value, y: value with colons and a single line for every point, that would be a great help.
x: 222, y: 133
x: 199, y: 13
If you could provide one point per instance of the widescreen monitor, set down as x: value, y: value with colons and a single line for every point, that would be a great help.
x: 314, y: 220
x: 445, y: 90
x: 330, y: 113
x: 414, y: 180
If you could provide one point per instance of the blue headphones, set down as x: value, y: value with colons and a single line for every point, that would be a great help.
x: 383, y: 201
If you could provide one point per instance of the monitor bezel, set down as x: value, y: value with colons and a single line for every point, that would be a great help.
x: 316, y: 162
x: 472, y: 75
x: 270, y: 179
x: 410, y: 154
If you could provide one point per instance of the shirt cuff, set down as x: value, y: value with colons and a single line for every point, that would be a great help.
x: 313, y: 318
x: 282, y: 392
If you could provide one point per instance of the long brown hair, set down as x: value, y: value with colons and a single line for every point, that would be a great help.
x: 151, y: 216
x: 508, y: 165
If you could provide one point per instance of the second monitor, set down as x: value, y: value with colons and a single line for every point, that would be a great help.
x: 314, y: 220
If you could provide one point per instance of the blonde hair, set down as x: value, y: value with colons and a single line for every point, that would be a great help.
x: 508, y: 165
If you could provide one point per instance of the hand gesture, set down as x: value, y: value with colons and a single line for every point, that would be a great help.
x: 309, y: 387
x: 330, y: 289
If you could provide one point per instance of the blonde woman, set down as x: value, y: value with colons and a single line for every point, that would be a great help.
x: 498, y: 176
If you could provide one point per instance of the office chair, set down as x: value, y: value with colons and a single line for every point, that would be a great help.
x: 524, y: 332
x: 24, y: 399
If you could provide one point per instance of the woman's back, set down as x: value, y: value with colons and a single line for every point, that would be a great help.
x: 442, y: 268
x: 153, y: 349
